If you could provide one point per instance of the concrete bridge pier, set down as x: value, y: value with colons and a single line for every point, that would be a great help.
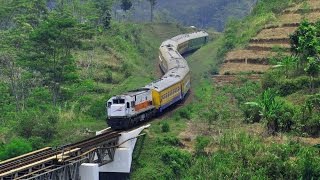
x: 120, y: 167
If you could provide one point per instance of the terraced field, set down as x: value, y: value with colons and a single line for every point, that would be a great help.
x: 274, y: 36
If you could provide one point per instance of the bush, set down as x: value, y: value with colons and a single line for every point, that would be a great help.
x: 309, y: 116
x: 280, y: 118
x: 165, y: 127
x: 185, y: 112
x: 36, y: 142
x: 34, y: 123
x: 97, y: 109
x: 288, y: 86
x: 251, y: 114
x: 16, y: 147
x: 277, y: 113
x: 176, y: 159
x: 214, y: 70
x: 169, y: 140
x: 201, y: 143
x: 285, y: 117
x: 269, y: 80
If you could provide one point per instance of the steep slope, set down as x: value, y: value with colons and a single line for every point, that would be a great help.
x: 203, y: 14
x: 266, y: 44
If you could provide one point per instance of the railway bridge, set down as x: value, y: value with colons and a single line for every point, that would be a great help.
x: 108, y: 155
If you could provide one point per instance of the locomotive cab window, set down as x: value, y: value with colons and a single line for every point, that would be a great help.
x: 109, y: 104
x: 128, y: 105
x: 118, y: 101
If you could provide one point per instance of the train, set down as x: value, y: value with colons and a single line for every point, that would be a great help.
x: 134, y: 107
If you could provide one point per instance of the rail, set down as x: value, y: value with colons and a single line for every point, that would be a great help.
x: 47, y: 159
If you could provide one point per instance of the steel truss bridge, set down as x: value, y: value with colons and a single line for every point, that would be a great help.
x: 61, y: 163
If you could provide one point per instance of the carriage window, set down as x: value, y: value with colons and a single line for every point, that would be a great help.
x: 133, y: 104
x: 128, y: 105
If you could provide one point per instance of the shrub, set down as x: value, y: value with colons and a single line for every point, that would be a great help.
x: 165, y: 127
x: 214, y: 70
x: 285, y: 117
x: 97, y: 109
x: 36, y: 142
x: 269, y: 80
x: 288, y: 86
x: 309, y: 116
x: 201, y: 143
x: 16, y: 147
x: 276, y: 112
x: 33, y: 123
x: 251, y: 114
x: 279, y: 117
x: 176, y: 159
x: 169, y: 140
x: 108, y: 77
x: 185, y: 112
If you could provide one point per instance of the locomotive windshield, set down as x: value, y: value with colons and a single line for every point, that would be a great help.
x: 118, y: 101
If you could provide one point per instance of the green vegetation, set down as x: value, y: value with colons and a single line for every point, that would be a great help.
x: 228, y: 137
x: 14, y: 147
x: 237, y: 34
x: 291, y: 77
x: 60, y: 62
x: 204, y: 14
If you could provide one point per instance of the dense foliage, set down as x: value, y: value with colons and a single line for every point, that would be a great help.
x: 242, y: 130
x: 299, y: 73
x: 203, y: 14
x: 59, y: 62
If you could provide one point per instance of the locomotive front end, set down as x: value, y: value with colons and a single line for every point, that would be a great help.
x: 127, y: 110
x: 118, y: 109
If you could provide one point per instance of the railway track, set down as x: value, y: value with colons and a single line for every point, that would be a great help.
x: 22, y: 160
x: 50, y: 154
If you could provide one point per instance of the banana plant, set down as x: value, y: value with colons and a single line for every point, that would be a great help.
x: 269, y: 107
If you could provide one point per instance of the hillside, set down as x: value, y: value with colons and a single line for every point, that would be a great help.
x: 60, y: 62
x: 204, y: 14
x: 270, y: 41
x: 243, y: 127
x: 41, y: 107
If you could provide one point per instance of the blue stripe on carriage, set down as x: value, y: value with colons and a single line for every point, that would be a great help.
x: 176, y: 99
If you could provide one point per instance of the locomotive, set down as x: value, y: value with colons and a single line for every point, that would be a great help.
x: 131, y: 108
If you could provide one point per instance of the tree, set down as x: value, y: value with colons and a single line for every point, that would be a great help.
x: 11, y: 49
x: 50, y: 49
x: 126, y: 5
x: 152, y: 5
x: 313, y: 70
x: 25, y: 11
x: 107, y: 20
x: 305, y: 42
x: 104, y: 12
x: 13, y: 73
